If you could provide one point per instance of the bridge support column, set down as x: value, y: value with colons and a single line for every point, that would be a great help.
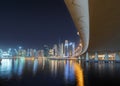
x: 87, y: 57
x: 96, y: 57
x: 117, y: 58
x: 106, y: 57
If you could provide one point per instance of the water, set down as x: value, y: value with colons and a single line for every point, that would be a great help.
x: 39, y: 72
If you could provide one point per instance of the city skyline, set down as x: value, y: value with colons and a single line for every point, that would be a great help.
x: 65, y: 49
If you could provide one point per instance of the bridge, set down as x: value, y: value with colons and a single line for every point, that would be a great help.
x: 79, y: 11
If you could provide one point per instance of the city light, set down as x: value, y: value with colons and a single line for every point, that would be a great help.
x: 10, y: 53
x: 20, y: 47
x: 79, y: 74
x: 70, y: 43
x: 5, y: 54
x: 78, y: 33
x: 66, y: 44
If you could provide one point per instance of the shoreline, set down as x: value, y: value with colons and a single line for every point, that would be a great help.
x: 59, y: 58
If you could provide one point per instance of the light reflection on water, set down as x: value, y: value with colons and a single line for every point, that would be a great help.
x: 35, y: 66
x: 10, y: 68
x: 69, y: 71
x: 6, y: 68
x: 79, y: 74
x: 75, y: 73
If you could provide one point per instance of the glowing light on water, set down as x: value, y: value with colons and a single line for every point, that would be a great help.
x: 35, y: 66
x: 6, y: 68
x: 79, y: 74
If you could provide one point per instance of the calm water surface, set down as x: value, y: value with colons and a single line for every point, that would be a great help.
x: 21, y: 72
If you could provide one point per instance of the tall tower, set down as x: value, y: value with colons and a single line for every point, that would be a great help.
x: 28, y: 52
x: 61, y: 50
x: 66, y: 48
x: 55, y: 48
x: 71, y: 48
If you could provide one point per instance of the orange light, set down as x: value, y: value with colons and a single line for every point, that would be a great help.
x: 79, y: 74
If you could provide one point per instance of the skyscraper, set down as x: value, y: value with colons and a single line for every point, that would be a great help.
x: 55, y: 50
x: 66, y: 48
x: 71, y: 48
x: 61, y: 48
x: 46, y: 50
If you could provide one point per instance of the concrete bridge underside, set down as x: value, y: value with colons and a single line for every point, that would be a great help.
x: 79, y: 11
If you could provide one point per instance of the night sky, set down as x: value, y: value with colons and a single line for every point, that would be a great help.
x: 32, y: 23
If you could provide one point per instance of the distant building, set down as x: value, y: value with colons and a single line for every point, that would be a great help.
x: 5, y: 54
x: 55, y: 50
x: 35, y: 52
x: 40, y: 53
x: 24, y: 53
x: 71, y: 48
x: 15, y: 52
x: 46, y: 50
x: 31, y: 52
x: 19, y: 52
x: 61, y: 50
x: 66, y: 48
x: 28, y: 53
x: 51, y: 52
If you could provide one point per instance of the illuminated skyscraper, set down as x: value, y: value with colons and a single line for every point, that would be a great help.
x: 46, y: 50
x: 20, y: 51
x: 55, y: 50
x: 51, y: 52
x: 66, y: 48
x: 61, y: 50
x: 24, y: 52
x: 31, y: 52
x: 40, y: 53
x: 28, y: 52
x: 71, y: 48
x: 34, y: 52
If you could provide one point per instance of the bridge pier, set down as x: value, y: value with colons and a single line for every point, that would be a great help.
x: 109, y: 57
x: 117, y: 57
x: 87, y: 57
x: 96, y: 57
x: 106, y: 57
